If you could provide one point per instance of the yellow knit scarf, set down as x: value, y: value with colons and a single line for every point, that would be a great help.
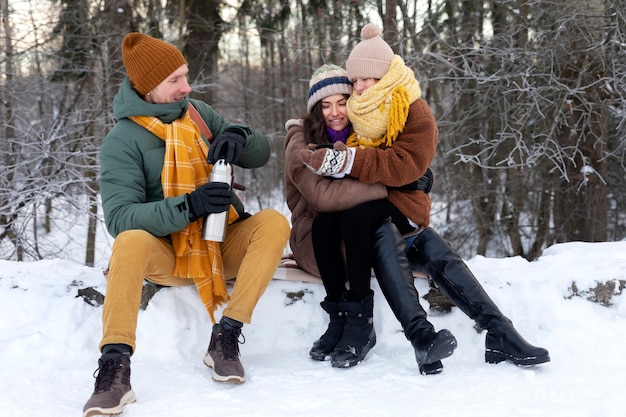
x: 184, y: 169
x: 379, y: 114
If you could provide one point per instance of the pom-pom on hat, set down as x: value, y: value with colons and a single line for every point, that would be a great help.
x: 149, y: 61
x: 371, y: 57
x: 327, y: 81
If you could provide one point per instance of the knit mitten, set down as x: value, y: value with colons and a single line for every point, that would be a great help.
x: 327, y: 161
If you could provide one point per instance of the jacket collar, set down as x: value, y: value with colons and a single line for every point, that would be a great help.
x: 128, y: 103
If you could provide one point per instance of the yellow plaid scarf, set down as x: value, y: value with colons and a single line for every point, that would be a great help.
x: 184, y: 169
x: 379, y: 114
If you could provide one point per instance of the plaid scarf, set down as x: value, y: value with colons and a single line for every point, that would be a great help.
x: 184, y: 169
x: 379, y: 114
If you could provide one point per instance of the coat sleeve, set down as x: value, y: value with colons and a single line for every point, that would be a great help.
x: 123, y: 185
x: 409, y: 156
x: 323, y: 193
x: 256, y: 152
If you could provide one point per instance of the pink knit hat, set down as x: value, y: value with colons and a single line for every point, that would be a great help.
x: 371, y: 57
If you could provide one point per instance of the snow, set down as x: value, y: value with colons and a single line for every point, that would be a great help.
x: 49, y: 338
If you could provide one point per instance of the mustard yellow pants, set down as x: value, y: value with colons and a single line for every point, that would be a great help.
x: 251, y: 252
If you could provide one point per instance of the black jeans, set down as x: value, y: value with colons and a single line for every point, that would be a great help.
x: 354, y: 228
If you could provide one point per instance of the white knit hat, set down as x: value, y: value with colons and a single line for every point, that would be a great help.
x: 371, y: 57
x: 327, y: 81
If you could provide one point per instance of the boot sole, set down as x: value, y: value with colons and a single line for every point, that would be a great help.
x: 128, y: 398
x: 433, y: 368
x: 496, y: 356
x: 349, y: 363
x: 229, y: 379
x: 320, y: 358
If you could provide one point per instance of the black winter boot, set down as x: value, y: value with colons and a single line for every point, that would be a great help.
x: 431, y: 254
x: 358, y: 333
x: 324, y: 346
x: 396, y: 282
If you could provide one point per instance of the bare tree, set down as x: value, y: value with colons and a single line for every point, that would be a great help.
x: 580, y: 65
x: 8, y: 216
x: 529, y: 95
x: 204, y: 32
x: 512, y: 105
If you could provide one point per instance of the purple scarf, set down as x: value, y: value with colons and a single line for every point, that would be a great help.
x: 338, y: 136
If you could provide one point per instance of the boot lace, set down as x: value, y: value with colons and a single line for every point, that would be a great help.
x: 106, y: 374
x: 230, y: 344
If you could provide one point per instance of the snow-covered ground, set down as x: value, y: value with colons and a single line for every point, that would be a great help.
x: 49, y: 338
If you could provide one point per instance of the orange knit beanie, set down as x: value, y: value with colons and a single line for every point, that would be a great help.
x: 149, y: 61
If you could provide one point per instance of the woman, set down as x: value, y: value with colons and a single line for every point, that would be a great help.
x: 308, y: 194
x: 384, y: 108
x: 350, y: 332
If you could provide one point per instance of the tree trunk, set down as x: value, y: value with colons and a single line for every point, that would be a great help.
x: 581, y: 197
x: 204, y: 29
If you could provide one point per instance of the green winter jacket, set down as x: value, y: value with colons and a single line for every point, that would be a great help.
x: 131, y: 161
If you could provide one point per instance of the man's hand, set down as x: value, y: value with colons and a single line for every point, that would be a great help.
x: 212, y: 197
x: 227, y: 146
x: 327, y: 161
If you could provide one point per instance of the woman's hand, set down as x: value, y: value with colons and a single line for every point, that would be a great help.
x: 328, y: 161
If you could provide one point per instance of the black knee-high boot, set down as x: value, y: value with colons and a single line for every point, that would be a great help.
x: 430, y: 253
x: 396, y: 282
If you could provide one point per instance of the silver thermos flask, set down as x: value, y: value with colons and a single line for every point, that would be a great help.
x: 214, y: 226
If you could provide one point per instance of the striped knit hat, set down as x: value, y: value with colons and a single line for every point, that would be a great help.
x: 149, y: 61
x: 371, y: 57
x: 327, y: 81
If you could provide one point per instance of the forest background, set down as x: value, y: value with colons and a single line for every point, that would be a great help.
x: 529, y: 97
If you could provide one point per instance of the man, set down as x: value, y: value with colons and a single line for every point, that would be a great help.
x: 155, y: 165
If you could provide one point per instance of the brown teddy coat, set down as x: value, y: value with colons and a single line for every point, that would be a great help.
x: 404, y: 162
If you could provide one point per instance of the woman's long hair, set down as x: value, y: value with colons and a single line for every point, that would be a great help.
x: 315, y: 125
